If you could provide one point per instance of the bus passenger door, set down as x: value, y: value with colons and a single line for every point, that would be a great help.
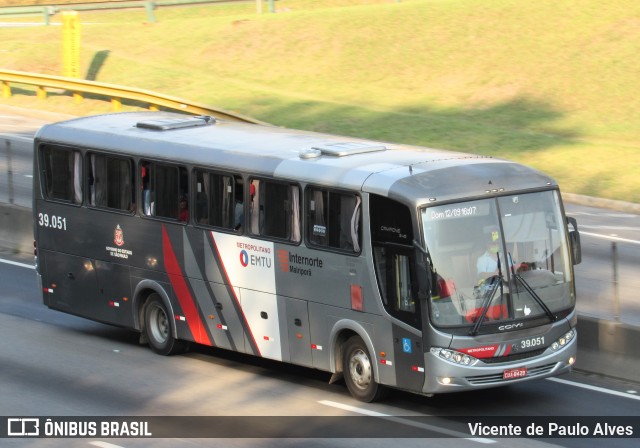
x: 298, y: 330
x: 71, y: 284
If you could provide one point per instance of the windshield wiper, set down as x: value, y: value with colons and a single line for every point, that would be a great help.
x: 488, y: 295
x: 535, y: 295
x: 496, y: 281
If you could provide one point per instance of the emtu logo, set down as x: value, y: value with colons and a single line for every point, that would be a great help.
x: 283, y: 257
x: 244, y: 258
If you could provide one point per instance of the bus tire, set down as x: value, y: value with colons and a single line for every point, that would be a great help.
x: 358, y: 371
x: 157, y: 327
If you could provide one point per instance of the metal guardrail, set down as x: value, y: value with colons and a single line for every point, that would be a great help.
x: 149, y: 6
x: 115, y: 93
x: 22, y: 11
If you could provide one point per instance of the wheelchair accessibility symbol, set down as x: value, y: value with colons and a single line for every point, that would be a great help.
x: 406, y: 345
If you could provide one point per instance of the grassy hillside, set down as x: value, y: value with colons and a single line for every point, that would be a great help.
x: 552, y: 84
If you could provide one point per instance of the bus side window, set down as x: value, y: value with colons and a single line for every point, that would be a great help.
x: 164, y: 186
x: 110, y: 182
x: 218, y: 197
x: 62, y: 169
x: 333, y: 219
x: 275, y: 210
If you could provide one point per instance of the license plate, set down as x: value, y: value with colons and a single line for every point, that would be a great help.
x: 511, y: 374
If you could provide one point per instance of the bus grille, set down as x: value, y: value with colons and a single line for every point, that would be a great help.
x: 497, y: 377
x: 511, y: 358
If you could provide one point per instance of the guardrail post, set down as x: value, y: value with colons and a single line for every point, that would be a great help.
x: 616, y: 289
x: 150, y: 6
x: 45, y: 13
x: 9, y: 171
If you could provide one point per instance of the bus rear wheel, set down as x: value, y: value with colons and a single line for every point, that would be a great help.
x: 157, y: 326
x: 358, y: 371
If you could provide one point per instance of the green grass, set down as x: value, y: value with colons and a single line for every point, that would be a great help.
x: 551, y: 84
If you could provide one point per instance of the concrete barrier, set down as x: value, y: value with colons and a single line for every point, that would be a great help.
x: 16, y: 229
x: 604, y: 347
x: 608, y: 348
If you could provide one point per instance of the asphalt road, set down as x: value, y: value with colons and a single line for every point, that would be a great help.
x: 54, y: 364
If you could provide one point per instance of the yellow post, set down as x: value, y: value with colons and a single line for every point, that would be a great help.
x: 70, y: 44
x: 116, y: 103
x: 6, y: 89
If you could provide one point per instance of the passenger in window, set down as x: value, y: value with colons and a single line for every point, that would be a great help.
x: 239, y: 208
x: 184, y: 210
x: 146, y: 191
x: 202, y: 208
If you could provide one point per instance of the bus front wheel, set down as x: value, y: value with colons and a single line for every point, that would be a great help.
x: 358, y: 371
x: 157, y: 326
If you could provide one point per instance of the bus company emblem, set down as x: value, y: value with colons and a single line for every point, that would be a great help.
x: 118, y: 236
x: 244, y: 258
x: 297, y: 264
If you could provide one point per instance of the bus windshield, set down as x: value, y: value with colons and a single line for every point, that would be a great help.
x: 497, y: 260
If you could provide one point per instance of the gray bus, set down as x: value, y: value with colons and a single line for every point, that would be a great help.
x: 389, y: 265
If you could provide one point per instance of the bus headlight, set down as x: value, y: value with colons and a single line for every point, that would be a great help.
x: 564, y: 340
x: 453, y: 356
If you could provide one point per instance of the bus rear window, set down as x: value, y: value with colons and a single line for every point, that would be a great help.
x: 62, y: 174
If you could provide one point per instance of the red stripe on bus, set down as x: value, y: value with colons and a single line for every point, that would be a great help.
x: 189, y: 308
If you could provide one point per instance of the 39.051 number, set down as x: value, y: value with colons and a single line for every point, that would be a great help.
x: 52, y: 222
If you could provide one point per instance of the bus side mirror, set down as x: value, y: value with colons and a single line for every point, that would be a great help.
x: 574, y: 241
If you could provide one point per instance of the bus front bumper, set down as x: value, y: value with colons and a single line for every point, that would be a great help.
x: 445, y: 376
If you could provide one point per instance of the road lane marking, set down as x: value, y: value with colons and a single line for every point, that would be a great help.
x: 622, y: 215
x: 101, y: 444
x: 15, y: 263
x: 595, y: 388
x: 609, y: 237
x: 437, y: 429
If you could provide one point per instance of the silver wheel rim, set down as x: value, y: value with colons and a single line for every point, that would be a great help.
x: 360, y: 369
x: 159, y: 324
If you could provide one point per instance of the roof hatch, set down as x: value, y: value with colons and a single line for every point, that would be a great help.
x: 176, y: 123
